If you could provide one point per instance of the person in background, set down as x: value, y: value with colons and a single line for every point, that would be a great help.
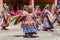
x: 4, y: 22
x: 39, y: 23
x: 47, y: 24
x: 19, y: 11
x: 58, y: 18
x: 11, y: 11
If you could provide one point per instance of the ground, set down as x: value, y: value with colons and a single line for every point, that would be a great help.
x: 16, y: 33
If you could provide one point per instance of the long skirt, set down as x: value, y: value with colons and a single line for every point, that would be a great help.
x: 30, y: 29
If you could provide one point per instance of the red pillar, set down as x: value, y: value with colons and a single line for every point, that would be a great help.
x: 30, y: 2
x: 1, y: 5
x: 54, y: 2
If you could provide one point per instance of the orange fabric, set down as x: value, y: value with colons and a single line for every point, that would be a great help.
x: 31, y: 22
x: 27, y: 22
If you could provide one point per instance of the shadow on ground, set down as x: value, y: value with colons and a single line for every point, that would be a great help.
x: 24, y: 36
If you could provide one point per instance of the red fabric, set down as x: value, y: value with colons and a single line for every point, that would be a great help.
x: 59, y: 23
x: 11, y: 12
x: 18, y: 12
x: 55, y: 10
x: 4, y: 24
x: 45, y: 28
x: 31, y: 33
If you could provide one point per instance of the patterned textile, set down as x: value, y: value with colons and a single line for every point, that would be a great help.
x: 30, y: 28
x: 46, y: 24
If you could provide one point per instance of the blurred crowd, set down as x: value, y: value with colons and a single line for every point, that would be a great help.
x: 33, y: 19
